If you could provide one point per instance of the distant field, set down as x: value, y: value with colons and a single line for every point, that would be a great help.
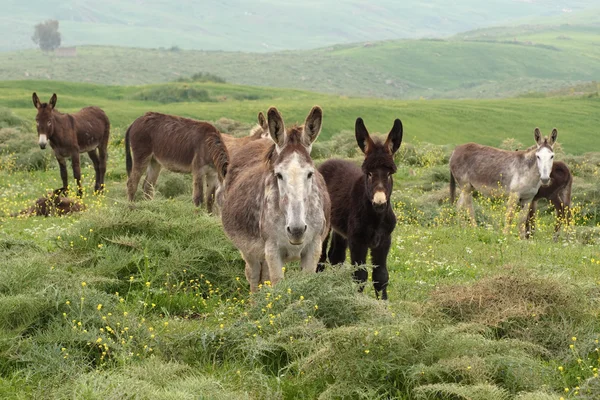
x: 438, y: 121
x: 246, y: 25
x: 501, y: 62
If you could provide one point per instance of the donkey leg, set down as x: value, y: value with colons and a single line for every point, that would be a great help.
x: 513, y: 199
x: 139, y: 165
x: 77, y: 172
x: 152, y: 173
x: 264, y: 273
x: 465, y: 200
x: 323, y: 258
x: 96, y: 161
x: 103, y: 156
x: 310, y: 258
x: 274, y: 262
x: 380, y: 272
x: 530, y: 222
x: 358, y: 257
x: 211, y: 187
x: 63, y: 173
x: 337, y: 250
x: 252, y: 271
x: 198, y: 186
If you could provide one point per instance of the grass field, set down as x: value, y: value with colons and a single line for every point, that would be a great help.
x: 439, y: 122
x: 489, y: 63
x: 244, y: 25
x: 152, y: 302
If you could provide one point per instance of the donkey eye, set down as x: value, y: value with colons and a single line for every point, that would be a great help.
x: 279, y: 176
x: 310, y: 175
x: 370, y: 175
x: 538, y: 157
x: 551, y: 157
x: 49, y: 123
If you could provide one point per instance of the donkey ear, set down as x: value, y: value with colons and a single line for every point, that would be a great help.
x: 36, y: 100
x: 553, y: 137
x: 276, y: 126
x: 394, y: 139
x: 537, y: 135
x: 52, y: 101
x: 313, y: 123
x: 362, y: 136
x: 262, y: 121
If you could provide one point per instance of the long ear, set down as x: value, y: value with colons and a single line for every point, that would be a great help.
x: 262, y: 121
x: 538, y: 136
x: 276, y: 127
x: 394, y: 139
x: 312, y: 124
x: 362, y: 136
x: 553, y: 137
x: 52, y: 101
x: 36, y: 100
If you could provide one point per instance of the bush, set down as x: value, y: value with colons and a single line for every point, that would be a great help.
x: 173, y: 94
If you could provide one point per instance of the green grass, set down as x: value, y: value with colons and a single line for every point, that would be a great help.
x: 244, y: 25
x: 151, y: 301
x: 439, y: 122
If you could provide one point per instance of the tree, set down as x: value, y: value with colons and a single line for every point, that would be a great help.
x: 46, y: 35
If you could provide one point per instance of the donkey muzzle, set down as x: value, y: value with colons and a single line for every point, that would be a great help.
x: 296, y: 234
x: 42, y: 141
x: 545, y: 182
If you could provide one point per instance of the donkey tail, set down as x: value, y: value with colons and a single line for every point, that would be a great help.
x: 218, y: 153
x: 128, y: 160
x: 452, y: 188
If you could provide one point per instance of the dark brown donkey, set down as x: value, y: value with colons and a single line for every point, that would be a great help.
x: 558, y: 192
x: 361, y: 213
x: 71, y: 134
x: 179, y: 144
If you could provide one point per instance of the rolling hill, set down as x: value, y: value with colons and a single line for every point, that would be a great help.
x: 491, y: 63
x: 246, y: 25
x: 442, y: 122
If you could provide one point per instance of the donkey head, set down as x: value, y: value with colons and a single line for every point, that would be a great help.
x: 293, y: 169
x: 43, y: 119
x: 545, y: 154
x: 379, y: 165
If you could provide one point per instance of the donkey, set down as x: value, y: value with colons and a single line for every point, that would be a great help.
x: 519, y: 174
x: 362, y: 217
x: 276, y: 207
x: 72, y: 134
x: 179, y: 144
x: 558, y: 192
x: 234, y: 144
x: 52, y: 204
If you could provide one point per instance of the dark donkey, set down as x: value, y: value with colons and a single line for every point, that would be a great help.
x: 179, y: 144
x: 558, y: 192
x: 71, y: 134
x: 361, y: 213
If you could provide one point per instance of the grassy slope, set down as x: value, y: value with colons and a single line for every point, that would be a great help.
x: 257, y: 26
x: 459, y: 67
x: 182, y: 325
x: 440, y: 121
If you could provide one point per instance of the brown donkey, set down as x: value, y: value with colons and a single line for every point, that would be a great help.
x: 519, y: 174
x: 362, y: 217
x: 235, y: 144
x: 275, y: 205
x: 71, y: 134
x: 558, y: 192
x: 52, y: 204
x: 179, y: 144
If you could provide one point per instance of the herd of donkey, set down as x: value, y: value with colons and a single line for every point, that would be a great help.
x: 275, y: 205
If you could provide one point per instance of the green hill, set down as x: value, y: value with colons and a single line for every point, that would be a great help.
x: 438, y: 121
x: 246, y: 25
x: 491, y: 63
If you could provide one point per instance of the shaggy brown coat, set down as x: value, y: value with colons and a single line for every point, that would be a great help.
x: 72, y: 134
